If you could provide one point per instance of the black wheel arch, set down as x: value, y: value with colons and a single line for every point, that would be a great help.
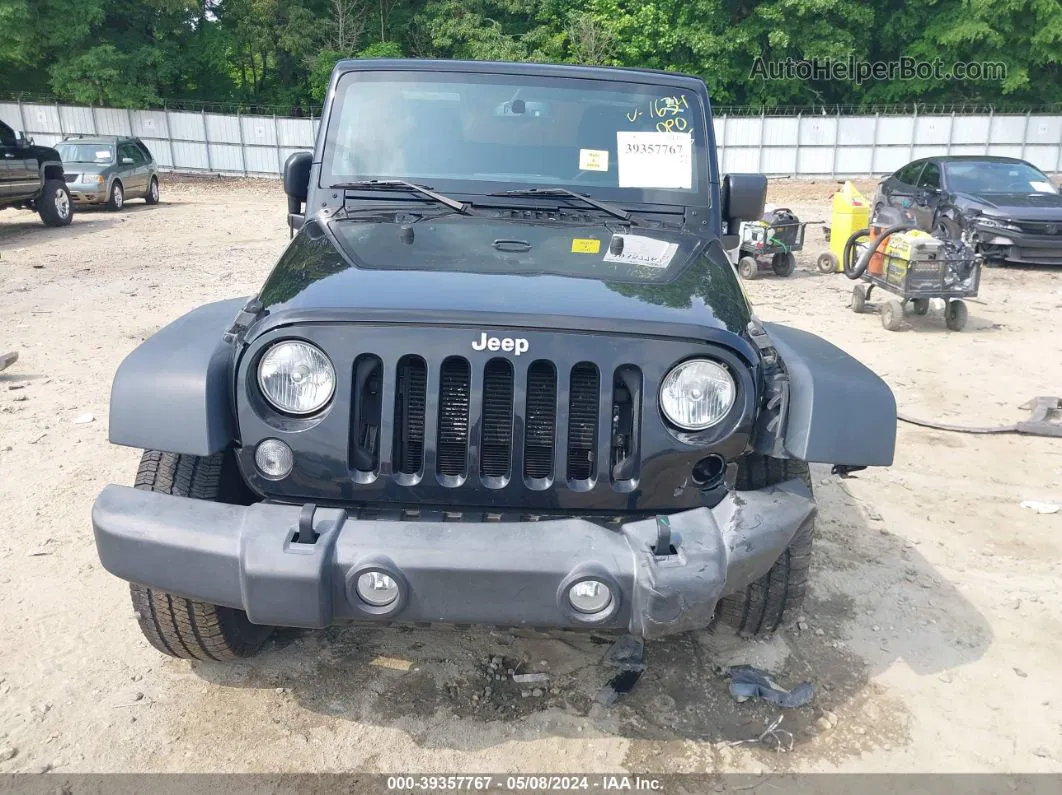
x: 51, y: 170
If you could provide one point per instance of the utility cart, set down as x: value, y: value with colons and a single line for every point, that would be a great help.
x: 769, y: 243
x: 914, y: 267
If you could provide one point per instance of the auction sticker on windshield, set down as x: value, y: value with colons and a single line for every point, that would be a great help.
x: 654, y: 159
x: 593, y: 160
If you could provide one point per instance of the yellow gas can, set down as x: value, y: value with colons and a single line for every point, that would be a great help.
x: 850, y: 214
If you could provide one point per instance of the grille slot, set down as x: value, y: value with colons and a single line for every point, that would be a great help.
x: 365, y: 422
x: 497, y: 441
x: 454, y: 388
x: 626, y: 422
x: 540, y: 423
x: 582, y: 421
x: 410, y: 397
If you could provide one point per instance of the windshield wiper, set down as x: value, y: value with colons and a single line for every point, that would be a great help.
x: 611, y: 209
x: 392, y: 184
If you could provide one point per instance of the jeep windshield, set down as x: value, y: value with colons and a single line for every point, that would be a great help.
x: 477, y: 134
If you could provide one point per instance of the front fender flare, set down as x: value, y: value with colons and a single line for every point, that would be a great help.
x: 173, y: 392
x: 838, y: 410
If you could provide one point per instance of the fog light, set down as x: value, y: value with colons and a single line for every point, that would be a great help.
x: 590, y: 596
x: 377, y: 589
x: 274, y: 459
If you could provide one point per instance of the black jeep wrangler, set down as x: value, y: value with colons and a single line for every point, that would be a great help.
x: 504, y: 374
x: 32, y: 177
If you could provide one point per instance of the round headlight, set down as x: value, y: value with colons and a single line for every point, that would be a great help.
x: 697, y: 394
x: 296, y: 377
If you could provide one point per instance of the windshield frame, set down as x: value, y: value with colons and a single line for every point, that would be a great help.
x: 700, y: 194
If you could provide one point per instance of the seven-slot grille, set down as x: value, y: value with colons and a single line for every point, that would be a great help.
x: 513, y: 430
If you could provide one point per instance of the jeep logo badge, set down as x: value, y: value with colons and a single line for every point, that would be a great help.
x: 515, y: 345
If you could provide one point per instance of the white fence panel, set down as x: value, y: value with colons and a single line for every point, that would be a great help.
x: 804, y: 145
x: 222, y: 129
x: 110, y: 121
x: 296, y: 133
x: 75, y: 120
x: 933, y: 130
x: 186, y: 126
x: 970, y: 130
x: 149, y: 124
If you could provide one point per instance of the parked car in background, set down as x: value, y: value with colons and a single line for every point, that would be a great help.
x: 108, y: 169
x: 32, y: 177
x: 1011, y: 210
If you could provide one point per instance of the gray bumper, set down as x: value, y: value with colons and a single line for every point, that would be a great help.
x: 510, y: 574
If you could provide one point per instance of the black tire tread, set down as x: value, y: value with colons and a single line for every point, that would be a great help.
x: 174, y: 625
x: 46, y: 210
x: 765, y: 604
x: 111, y: 204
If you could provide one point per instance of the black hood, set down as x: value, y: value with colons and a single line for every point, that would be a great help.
x: 556, y: 275
x: 1039, y: 206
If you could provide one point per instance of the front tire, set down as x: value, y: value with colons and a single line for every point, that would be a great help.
x: 152, y: 196
x: 55, y: 206
x: 186, y: 628
x: 116, y: 199
x: 947, y: 229
x: 777, y: 596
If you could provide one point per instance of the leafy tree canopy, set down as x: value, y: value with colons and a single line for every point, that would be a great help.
x: 278, y: 53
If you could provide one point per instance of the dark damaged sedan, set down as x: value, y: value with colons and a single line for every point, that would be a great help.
x: 504, y: 374
x: 1009, y: 208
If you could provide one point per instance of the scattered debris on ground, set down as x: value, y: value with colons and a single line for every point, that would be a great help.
x: 747, y: 682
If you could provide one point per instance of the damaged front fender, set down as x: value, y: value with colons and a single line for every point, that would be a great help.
x: 830, y: 408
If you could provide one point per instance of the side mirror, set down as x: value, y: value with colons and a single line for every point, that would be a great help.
x: 297, y: 185
x: 743, y: 197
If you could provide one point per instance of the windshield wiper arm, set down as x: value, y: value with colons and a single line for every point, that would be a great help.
x: 392, y: 184
x: 611, y: 209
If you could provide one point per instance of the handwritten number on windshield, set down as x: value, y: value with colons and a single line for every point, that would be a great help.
x: 668, y: 110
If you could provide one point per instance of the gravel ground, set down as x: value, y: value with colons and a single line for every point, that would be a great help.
x: 931, y: 633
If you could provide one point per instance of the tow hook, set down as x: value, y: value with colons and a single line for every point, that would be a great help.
x: 306, y: 533
x: 664, y: 547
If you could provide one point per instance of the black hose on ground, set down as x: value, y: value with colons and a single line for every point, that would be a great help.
x: 941, y: 426
x: 857, y: 270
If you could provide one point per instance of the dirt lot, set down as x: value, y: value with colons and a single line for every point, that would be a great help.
x: 931, y: 633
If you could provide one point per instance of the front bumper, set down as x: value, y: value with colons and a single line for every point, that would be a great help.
x: 87, y: 195
x: 1021, y: 247
x: 508, y: 574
